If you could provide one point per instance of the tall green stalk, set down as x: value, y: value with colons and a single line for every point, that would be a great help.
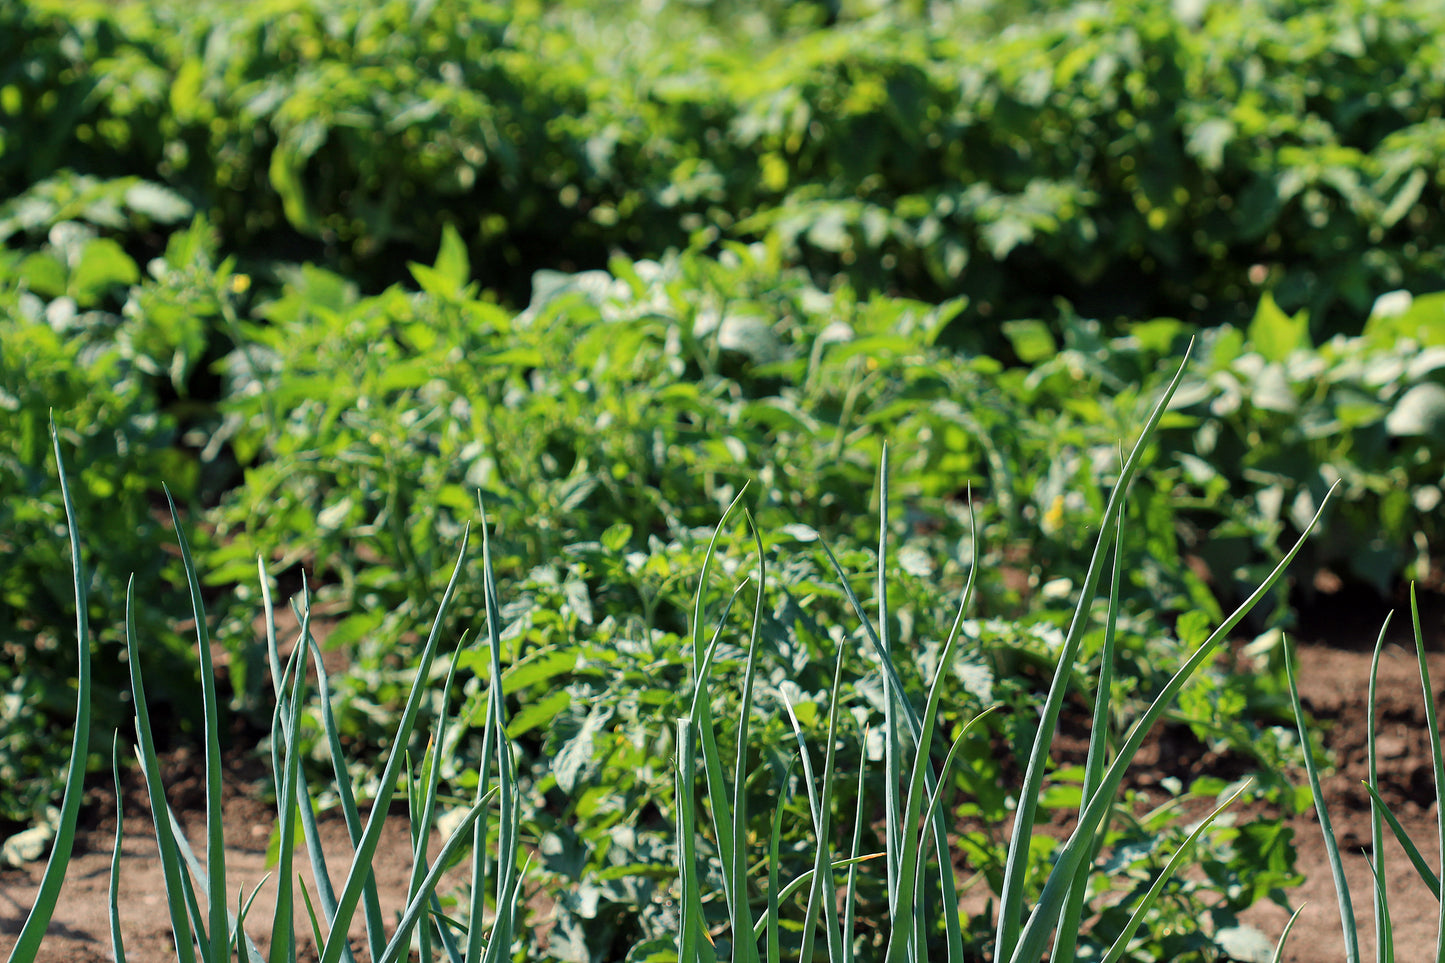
x: 38, y: 920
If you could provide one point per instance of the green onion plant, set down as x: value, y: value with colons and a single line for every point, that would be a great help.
x: 914, y: 820
x: 204, y: 926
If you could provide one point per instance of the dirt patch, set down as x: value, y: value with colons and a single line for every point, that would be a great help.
x: 1338, y: 634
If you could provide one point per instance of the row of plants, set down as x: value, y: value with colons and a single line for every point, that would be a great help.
x: 899, y: 902
x: 1140, y: 159
x: 608, y: 425
x: 1139, y: 851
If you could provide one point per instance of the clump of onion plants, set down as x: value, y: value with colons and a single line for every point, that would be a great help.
x: 205, y: 926
x: 915, y: 823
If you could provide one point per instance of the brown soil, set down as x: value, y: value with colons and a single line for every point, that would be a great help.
x: 1336, y: 635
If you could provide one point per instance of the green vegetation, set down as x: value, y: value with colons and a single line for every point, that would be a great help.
x: 912, y: 791
x: 331, y: 271
x: 1139, y: 159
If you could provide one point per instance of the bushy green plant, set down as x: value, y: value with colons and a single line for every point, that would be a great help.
x: 1274, y: 421
x: 598, y: 420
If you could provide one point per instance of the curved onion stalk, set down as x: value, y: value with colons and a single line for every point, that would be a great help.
x: 117, y: 945
x: 1384, y: 932
x: 1417, y: 859
x: 325, y: 889
x: 1043, y: 920
x: 805, y: 878
x: 740, y: 912
x: 1170, y: 868
x: 730, y: 817
x: 905, y: 939
x: 317, y: 937
x: 1332, y: 848
x: 1432, y: 726
x: 702, y: 712
x: 850, y: 892
x: 494, y: 739
x: 422, y: 812
x: 370, y: 900
x: 287, y: 772
x: 691, y: 936
x: 176, y: 880
x: 821, y: 893
x: 695, y: 727
x: 509, y: 879
x: 366, y: 849
x: 1279, y: 947
x: 774, y: 840
x: 190, y: 891
x: 243, y: 908
x: 28, y: 943
x: 422, y: 898
x: 1073, y: 912
x: 893, y: 743
x: 1010, y: 912
x: 1384, y: 929
x: 215, y: 837
x: 905, y: 731
x: 907, y: 915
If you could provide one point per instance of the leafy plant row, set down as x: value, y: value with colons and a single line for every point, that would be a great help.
x: 756, y: 907
x: 607, y: 425
x: 1140, y: 159
x: 921, y: 921
x: 613, y: 413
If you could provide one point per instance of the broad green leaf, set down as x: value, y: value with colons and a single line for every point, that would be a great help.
x: 103, y: 264
x: 578, y: 755
x: 1032, y: 341
x: 1275, y: 334
x: 1398, y: 314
